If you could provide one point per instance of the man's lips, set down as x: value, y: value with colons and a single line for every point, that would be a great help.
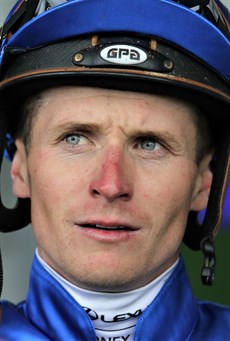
x: 108, y: 231
x: 108, y: 227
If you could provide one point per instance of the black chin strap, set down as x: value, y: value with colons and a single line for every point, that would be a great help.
x: 201, y: 236
x: 11, y: 219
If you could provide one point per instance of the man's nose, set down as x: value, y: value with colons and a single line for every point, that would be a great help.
x: 112, y: 180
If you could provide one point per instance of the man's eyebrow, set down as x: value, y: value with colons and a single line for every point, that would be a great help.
x: 73, y: 126
x: 161, y: 134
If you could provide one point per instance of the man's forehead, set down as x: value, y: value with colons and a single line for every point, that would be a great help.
x: 68, y: 94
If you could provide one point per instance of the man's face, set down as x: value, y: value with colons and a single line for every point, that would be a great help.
x: 111, y: 176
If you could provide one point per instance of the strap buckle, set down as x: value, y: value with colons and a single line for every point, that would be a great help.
x: 208, y: 269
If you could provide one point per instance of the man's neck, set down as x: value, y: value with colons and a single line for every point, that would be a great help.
x: 114, y: 315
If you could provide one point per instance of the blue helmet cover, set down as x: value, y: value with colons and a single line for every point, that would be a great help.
x: 163, y: 19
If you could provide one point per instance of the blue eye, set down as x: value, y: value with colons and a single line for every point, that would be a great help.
x: 148, y: 144
x: 73, y: 139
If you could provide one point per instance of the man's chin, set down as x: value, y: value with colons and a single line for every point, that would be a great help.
x: 107, y: 285
x: 108, y: 279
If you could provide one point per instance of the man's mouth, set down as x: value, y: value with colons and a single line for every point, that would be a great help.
x: 108, y: 228
x: 108, y: 231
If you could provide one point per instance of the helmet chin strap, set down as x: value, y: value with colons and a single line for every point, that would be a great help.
x: 12, y: 219
x: 201, y: 236
x: 17, y: 217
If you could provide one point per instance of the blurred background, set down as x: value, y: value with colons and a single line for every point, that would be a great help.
x: 18, y: 247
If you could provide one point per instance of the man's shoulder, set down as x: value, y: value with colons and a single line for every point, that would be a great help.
x: 213, y: 321
x: 15, y: 326
x: 213, y: 309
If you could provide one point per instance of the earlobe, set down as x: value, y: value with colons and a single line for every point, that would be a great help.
x: 19, y: 172
x: 202, y: 185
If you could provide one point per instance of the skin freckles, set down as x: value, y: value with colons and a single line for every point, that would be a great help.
x: 111, y: 178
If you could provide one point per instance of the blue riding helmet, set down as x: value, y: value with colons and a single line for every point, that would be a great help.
x: 174, y: 47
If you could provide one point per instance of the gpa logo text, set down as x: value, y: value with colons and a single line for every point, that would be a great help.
x: 123, y: 54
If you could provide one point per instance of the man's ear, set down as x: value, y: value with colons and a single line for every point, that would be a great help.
x: 202, y: 184
x: 19, y: 171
